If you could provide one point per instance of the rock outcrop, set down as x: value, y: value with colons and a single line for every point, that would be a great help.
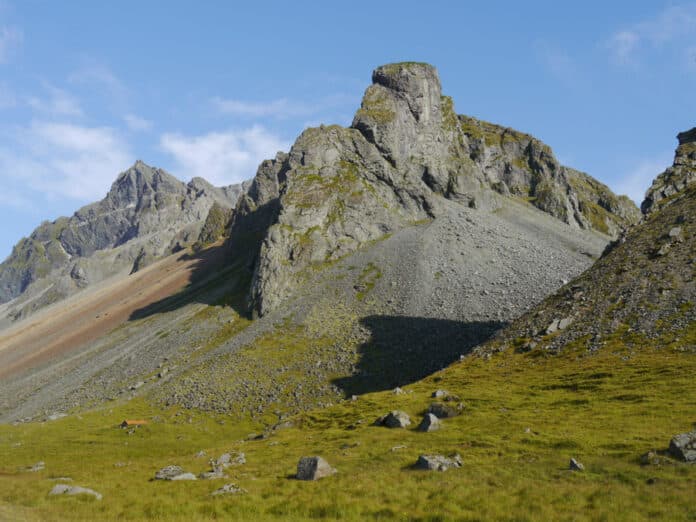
x: 668, y: 185
x: 406, y: 153
x: 146, y: 214
x: 642, y: 287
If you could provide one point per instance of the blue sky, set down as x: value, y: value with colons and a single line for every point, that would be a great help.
x: 211, y: 88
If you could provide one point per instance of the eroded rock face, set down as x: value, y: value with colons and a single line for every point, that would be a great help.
x: 675, y: 179
x: 339, y: 189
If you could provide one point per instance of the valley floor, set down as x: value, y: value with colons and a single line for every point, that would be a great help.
x: 526, y: 415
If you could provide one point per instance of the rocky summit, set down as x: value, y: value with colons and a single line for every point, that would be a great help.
x: 406, y: 155
x: 146, y: 215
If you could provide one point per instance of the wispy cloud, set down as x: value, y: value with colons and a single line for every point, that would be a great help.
x: 57, y: 102
x: 222, y: 157
x: 557, y: 61
x: 98, y: 74
x: 639, y: 178
x: 59, y: 160
x: 281, y: 108
x: 7, y: 97
x: 672, y: 24
x: 136, y: 123
x: 10, y: 39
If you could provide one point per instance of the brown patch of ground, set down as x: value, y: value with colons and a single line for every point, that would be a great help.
x: 85, y: 317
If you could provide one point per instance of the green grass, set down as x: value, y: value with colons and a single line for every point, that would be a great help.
x: 526, y: 416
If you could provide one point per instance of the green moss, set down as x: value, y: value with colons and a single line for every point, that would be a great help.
x: 367, y: 280
x: 449, y: 117
x: 376, y: 107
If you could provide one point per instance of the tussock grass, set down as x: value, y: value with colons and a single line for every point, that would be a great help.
x: 526, y: 415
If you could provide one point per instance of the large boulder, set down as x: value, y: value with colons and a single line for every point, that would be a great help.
x: 313, y: 468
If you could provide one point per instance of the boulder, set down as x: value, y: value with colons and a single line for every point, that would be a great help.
x: 438, y: 462
x: 429, y: 423
x: 394, y: 419
x: 683, y: 446
x: 576, y: 465
x: 174, y: 473
x: 39, y: 466
x: 313, y: 468
x: 445, y: 411
x: 228, y: 489
x: 64, y: 489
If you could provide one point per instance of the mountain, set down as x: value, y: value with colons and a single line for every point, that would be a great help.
x: 363, y: 259
x: 146, y: 215
x: 406, y: 155
x: 573, y: 411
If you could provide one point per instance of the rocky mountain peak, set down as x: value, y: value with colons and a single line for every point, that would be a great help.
x: 671, y: 183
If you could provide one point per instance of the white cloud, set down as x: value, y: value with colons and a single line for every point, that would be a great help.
x: 10, y: 39
x: 136, y: 123
x: 60, y: 160
x: 623, y: 45
x: 222, y: 158
x: 57, y: 103
x: 101, y: 75
x: 636, y: 182
x: 672, y: 24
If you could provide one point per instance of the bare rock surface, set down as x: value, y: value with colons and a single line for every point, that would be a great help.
x: 313, y: 468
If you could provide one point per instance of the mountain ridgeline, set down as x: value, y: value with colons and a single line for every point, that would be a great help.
x: 146, y: 214
x: 406, y: 156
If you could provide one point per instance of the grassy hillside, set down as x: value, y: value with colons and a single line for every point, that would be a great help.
x: 526, y: 415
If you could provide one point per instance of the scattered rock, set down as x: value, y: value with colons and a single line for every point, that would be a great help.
x: 39, y: 466
x: 173, y: 473
x: 429, y: 423
x: 185, y: 476
x: 558, y: 324
x: 313, y: 468
x: 201, y: 454
x: 397, y: 391
x: 675, y: 234
x: 212, y: 475
x: 64, y: 489
x: 576, y: 465
x: 394, y: 419
x: 683, y: 446
x: 439, y: 394
x: 652, y: 458
x: 438, y: 462
x: 445, y: 411
x: 228, y: 489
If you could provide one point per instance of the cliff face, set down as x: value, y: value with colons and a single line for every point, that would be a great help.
x: 667, y: 186
x: 405, y: 156
x: 146, y: 214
